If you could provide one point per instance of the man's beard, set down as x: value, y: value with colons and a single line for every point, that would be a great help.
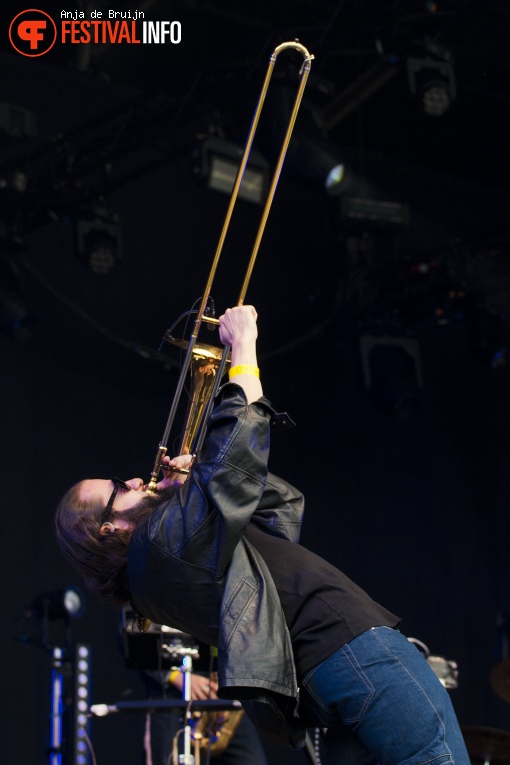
x: 144, y: 508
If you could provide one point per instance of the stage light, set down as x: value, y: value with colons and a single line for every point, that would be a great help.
x: 98, y: 243
x: 335, y: 177
x: 377, y: 212
x: 436, y: 98
x: 58, y: 604
x: 81, y: 703
x: 320, y: 162
x: 310, y: 156
x: 432, y: 83
x: 16, y: 180
x: 216, y: 161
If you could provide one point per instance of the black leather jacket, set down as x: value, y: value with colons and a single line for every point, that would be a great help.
x: 190, y: 566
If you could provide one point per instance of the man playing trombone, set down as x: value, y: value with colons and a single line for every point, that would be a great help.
x: 216, y: 555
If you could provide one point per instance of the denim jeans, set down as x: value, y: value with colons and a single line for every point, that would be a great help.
x: 381, y: 702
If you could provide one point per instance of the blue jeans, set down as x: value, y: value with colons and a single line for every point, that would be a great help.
x: 381, y: 702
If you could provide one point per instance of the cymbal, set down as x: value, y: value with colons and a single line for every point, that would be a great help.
x: 499, y: 679
x: 487, y: 744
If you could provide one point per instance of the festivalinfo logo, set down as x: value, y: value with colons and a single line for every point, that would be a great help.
x: 34, y: 32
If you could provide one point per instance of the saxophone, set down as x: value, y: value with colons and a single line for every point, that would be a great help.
x: 213, y: 731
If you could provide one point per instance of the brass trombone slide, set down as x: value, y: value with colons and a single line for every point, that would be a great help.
x: 201, y: 317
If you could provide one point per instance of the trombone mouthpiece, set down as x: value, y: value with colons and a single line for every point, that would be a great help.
x: 150, y: 488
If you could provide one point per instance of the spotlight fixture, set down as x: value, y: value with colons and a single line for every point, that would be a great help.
x: 320, y: 162
x: 16, y: 180
x: 98, y: 243
x: 58, y: 604
x: 310, y: 156
x: 216, y: 161
x: 373, y: 211
x: 432, y: 83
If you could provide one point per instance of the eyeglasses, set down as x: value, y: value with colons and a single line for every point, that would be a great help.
x: 117, y: 484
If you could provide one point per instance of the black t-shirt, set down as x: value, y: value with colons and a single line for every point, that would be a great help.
x: 323, y: 608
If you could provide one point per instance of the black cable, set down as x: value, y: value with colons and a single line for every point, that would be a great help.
x: 141, y: 350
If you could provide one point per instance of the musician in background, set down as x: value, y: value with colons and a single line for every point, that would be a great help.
x: 298, y: 642
x: 243, y: 748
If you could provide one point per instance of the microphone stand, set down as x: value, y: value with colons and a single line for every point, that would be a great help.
x: 60, y: 662
x: 186, y: 652
x: 187, y: 665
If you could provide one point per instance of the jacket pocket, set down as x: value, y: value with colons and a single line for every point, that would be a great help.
x: 235, y: 608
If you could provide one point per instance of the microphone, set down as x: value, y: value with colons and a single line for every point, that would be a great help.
x: 101, y: 710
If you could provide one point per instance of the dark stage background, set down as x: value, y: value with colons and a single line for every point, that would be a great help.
x: 407, y: 482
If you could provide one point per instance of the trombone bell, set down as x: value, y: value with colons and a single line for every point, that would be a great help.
x: 204, y: 368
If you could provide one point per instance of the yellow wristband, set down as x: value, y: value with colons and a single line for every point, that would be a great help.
x: 244, y: 369
x: 173, y: 674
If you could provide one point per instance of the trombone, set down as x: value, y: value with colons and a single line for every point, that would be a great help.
x: 201, y: 402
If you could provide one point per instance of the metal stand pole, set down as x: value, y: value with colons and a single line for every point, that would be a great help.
x: 57, y: 682
x: 187, y: 665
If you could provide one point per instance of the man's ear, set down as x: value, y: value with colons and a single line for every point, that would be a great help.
x: 107, y: 528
